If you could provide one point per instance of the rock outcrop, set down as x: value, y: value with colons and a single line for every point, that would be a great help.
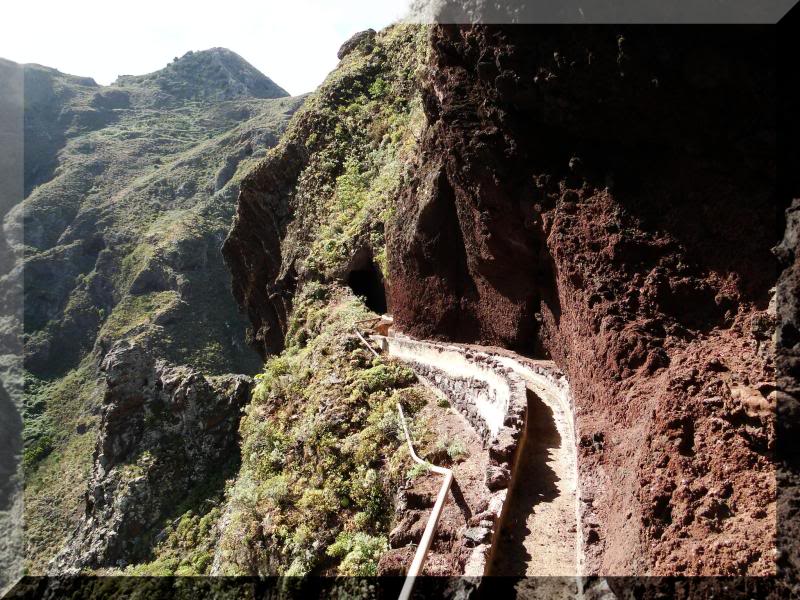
x: 364, y: 39
x: 604, y: 197
x: 787, y: 370
x: 165, y: 432
x: 312, y: 208
x: 262, y: 283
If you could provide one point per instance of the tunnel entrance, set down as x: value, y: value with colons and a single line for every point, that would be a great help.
x: 367, y: 282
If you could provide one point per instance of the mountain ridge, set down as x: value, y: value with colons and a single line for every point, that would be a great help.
x: 129, y: 192
x: 213, y: 74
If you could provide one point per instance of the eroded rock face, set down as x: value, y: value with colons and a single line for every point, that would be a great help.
x: 604, y: 196
x: 165, y: 430
x: 253, y: 249
x: 788, y: 401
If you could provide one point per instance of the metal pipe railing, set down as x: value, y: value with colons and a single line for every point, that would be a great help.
x: 365, y: 342
x: 433, y: 520
x: 427, y: 536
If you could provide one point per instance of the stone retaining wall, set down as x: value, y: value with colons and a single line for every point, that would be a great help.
x: 492, y: 397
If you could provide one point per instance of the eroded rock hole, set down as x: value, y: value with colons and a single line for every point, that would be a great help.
x: 367, y: 282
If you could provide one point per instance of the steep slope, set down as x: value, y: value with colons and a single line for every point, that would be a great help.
x: 57, y: 105
x: 321, y: 447
x: 132, y: 189
x: 315, y: 209
x: 604, y: 197
x: 599, y: 196
x: 11, y: 189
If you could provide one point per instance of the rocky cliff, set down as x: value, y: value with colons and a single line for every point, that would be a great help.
x: 603, y: 196
x: 130, y: 190
x: 316, y: 207
x: 164, y: 430
x: 600, y: 196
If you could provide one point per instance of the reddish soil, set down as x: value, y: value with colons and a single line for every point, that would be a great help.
x: 467, y: 499
x: 605, y: 196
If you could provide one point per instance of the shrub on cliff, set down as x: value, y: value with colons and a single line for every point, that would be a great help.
x: 322, y: 450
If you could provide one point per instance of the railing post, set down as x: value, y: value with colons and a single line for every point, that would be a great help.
x: 365, y: 342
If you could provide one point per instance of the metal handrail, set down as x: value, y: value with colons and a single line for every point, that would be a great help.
x: 365, y: 342
x: 427, y: 536
x: 433, y: 520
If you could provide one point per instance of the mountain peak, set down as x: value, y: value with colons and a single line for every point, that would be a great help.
x: 213, y: 74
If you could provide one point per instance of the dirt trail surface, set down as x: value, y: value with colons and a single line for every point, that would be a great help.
x: 539, y: 536
x: 547, y: 491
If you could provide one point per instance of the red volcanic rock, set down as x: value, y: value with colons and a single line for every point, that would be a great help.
x: 604, y: 197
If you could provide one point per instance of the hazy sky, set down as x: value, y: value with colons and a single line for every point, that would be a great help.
x: 293, y: 42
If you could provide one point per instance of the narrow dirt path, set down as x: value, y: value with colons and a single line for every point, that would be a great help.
x: 538, y: 536
x: 539, y: 545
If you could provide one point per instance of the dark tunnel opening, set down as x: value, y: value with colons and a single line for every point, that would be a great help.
x: 368, y: 283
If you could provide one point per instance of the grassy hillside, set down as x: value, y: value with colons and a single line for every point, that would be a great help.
x: 130, y: 191
x: 321, y: 459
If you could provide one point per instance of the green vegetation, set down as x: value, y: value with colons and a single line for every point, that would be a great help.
x: 362, y: 127
x: 185, y: 545
x: 131, y: 190
x: 135, y: 312
x: 322, y: 449
x: 418, y: 470
x: 214, y: 74
x: 359, y: 553
x: 456, y: 450
x: 54, y: 411
x: 147, y: 191
x: 60, y: 428
x: 53, y: 492
x: 186, y: 550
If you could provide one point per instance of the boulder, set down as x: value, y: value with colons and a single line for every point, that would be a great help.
x: 362, y: 38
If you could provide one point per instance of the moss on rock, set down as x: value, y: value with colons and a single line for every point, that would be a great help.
x: 322, y: 450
